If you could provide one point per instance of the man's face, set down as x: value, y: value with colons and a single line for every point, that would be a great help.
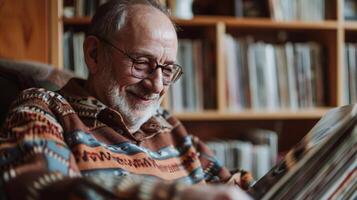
x: 147, y: 36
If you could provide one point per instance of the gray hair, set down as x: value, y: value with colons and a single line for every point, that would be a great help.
x: 111, y: 16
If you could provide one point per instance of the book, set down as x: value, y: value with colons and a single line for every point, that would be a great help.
x: 79, y: 8
x: 283, y: 81
x: 290, y: 57
x: 270, y: 78
x: 68, y: 60
x: 80, y: 68
x: 238, y: 8
x: 346, y: 95
x: 352, y: 72
x: 232, y: 74
x: 317, y: 166
x: 176, y: 96
x: 261, y: 160
x: 198, y: 68
x: 318, y: 75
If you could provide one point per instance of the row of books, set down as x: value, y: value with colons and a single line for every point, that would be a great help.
x: 267, y: 76
x: 350, y: 74
x: 307, y: 10
x: 350, y: 9
x: 256, y: 156
x: 237, y: 8
x: 196, y: 90
x: 304, y: 10
x: 80, y: 8
x: 251, y: 8
x: 73, y: 57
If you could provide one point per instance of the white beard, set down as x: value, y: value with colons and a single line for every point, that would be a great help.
x: 134, y: 114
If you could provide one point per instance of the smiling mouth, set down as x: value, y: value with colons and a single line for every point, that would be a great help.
x: 142, y: 98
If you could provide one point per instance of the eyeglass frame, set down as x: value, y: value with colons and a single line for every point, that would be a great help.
x: 134, y: 61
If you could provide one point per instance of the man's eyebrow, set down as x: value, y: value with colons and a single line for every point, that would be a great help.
x: 148, y: 55
x: 139, y: 54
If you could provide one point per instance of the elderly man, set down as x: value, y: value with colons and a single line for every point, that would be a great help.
x: 107, y: 138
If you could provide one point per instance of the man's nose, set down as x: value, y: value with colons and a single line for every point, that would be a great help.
x: 154, y: 81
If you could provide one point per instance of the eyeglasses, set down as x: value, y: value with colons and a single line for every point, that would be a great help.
x: 143, y: 69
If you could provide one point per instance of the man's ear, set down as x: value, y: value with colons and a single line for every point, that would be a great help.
x: 90, y: 48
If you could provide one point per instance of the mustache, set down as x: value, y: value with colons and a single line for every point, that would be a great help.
x: 143, y: 93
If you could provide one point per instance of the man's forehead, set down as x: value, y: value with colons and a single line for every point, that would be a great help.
x: 145, y: 22
x: 145, y: 16
x: 147, y: 31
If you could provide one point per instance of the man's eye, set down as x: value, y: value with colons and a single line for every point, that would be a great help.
x: 141, y: 61
x: 141, y: 65
x: 167, y: 71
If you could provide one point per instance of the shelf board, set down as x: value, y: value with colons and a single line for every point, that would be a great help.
x: 235, y: 22
x: 198, y: 21
x: 76, y: 20
x: 190, y: 22
x: 267, y: 23
x: 254, y: 115
x: 350, y: 25
x: 259, y: 23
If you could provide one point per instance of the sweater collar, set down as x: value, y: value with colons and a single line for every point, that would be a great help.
x: 87, y: 106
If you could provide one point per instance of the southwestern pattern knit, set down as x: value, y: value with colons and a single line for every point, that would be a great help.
x: 68, y: 145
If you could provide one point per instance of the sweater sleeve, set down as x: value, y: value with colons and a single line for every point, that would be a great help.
x: 214, y: 172
x: 36, y: 163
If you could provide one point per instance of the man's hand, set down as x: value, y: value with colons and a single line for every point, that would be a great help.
x: 213, y: 192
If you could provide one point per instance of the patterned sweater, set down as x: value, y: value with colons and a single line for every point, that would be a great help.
x: 68, y: 145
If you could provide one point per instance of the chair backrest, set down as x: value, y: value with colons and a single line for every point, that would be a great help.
x: 16, y: 76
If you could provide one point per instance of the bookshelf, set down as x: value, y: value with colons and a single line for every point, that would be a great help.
x: 331, y: 33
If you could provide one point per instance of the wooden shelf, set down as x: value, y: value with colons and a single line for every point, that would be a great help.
x: 254, y: 115
x: 198, y: 21
x: 350, y: 25
x: 76, y: 20
x: 262, y: 23
x: 267, y: 23
x: 238, y: 22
